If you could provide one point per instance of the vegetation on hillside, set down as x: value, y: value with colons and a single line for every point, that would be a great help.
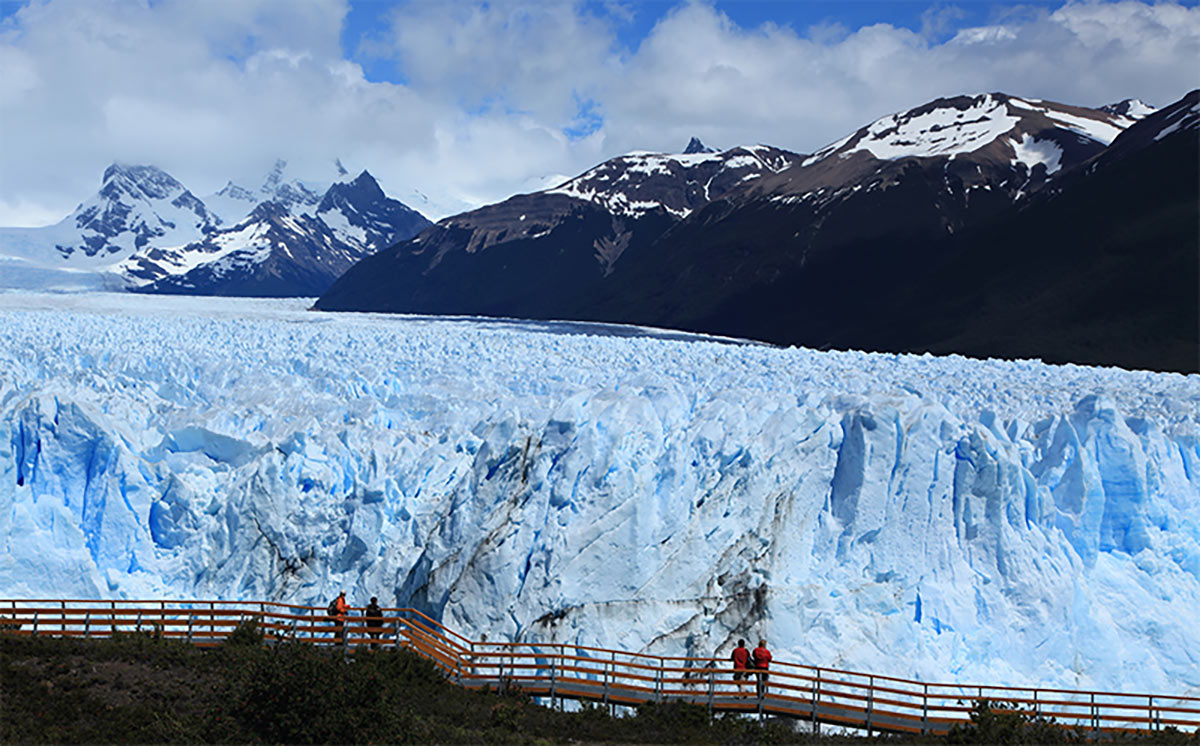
x: 140, y: 689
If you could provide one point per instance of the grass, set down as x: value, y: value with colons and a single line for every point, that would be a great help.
x: 139, y: 689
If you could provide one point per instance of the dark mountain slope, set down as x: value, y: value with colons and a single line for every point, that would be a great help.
x: 1101, y: 269
x: 990, y: 225
x: 1106, y: 271
x: 499, y: 261
x: 548, y: 254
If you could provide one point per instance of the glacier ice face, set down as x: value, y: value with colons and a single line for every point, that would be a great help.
x: 940, y: 518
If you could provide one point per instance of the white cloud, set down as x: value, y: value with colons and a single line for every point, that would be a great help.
x: 219, y: 89
x: 698, y: 73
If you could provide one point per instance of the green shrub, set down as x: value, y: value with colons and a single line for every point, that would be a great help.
x: 301, y: 694
x: 1003, y: 724
x: 246, y: 633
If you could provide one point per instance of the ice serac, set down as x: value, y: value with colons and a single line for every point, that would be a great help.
x: 933, y: 517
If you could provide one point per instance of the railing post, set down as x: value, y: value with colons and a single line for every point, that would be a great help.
x: 138, y: 623
x: 1037, y: 711
x: 711, y: 689
x: 113, y: 619
x: 1150, y: 712
x: 816, y: 696
x: 474, y: 661
x: 191, y: 619
x: 87, y: 625
x: 35, y: 623
x: 870, y: 702
x: 62, y: 617
x: 562, y: 652
x: 553, y: 688
x: 212, y: 629
x: 658, y: 682
x: 1095, y: 715
x: 925, y: 710
x: 761, y: 691
x: 607, y: 669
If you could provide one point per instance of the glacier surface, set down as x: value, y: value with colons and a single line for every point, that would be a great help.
x: 939, y: 518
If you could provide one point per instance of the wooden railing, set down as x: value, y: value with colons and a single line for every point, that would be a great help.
x: 612, y: 677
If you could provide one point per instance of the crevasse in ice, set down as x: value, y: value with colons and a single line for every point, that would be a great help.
x: 940, y: 518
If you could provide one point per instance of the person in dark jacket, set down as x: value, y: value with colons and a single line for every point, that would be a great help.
x: 374, y: 617
x: 761, y: 659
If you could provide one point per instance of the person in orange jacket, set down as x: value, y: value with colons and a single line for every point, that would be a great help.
x: 762, y: 662
x: 337, y: 612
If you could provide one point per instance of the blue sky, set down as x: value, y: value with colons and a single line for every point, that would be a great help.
x: 454, y: 103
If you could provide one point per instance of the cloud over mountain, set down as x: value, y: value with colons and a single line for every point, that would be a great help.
x: 464, y: 103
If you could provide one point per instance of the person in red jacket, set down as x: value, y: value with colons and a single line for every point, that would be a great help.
x: 761, y: 657
x: 741, y: 662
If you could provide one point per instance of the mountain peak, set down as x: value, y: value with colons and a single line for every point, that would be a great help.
x: 141, y: 182
x: 958, y: 125
x: 694, y: 146
x: 135, y: 173
x: 275, y: 176
x: 1134, y: 108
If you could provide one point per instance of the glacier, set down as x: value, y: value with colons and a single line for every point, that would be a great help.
x: 945, y: 519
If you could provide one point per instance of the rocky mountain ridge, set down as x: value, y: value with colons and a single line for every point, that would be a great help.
x: 145, y: 231
x: 688, y: 241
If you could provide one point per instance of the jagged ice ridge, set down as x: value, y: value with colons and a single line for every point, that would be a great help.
x: 942, y: 518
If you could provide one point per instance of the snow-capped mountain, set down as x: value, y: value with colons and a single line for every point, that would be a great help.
x: 280, y: 248
x: 634, y: 184
x: 136, y: 206
x: 538, y: 251
x: 1020, y: 131
x: 145, y: 230
x: 822, y: 250
x: 937, y: 518
x: 234, y: 202
x: 362, y: 217
x: 1132, y: 108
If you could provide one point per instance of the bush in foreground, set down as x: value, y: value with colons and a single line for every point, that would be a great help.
x: 141, y: 689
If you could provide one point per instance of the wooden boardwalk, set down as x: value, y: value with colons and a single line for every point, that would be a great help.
x: 611, y: 677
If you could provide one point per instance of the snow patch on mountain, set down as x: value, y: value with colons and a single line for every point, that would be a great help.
x: 944, y: 131
x: 953, y: 127
x: 626, y: 185
x: 1183, y: 119
x: 249, y: 234
x: 1130, y: 108
x: 1030, y: 152
x: 1097, y: 129
x: 941, y: 518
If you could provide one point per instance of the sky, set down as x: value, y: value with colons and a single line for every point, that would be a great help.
x: 452, y: 105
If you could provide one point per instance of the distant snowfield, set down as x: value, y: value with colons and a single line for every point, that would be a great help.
x: 943, y: 518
